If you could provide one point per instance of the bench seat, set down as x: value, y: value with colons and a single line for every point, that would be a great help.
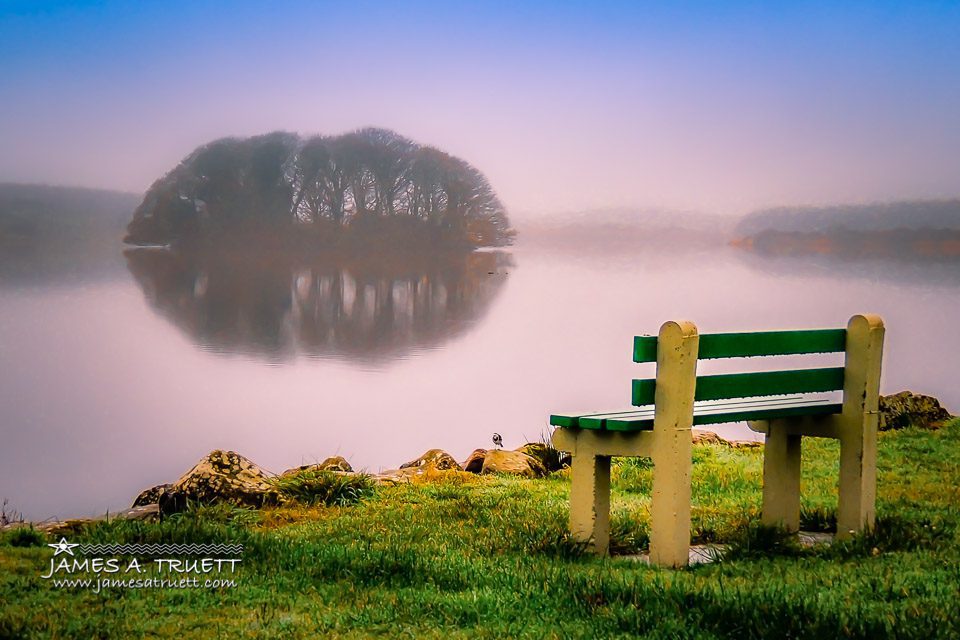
x: 705, y: 412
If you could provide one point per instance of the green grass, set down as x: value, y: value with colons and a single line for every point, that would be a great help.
x: 461, y: 556
x: 325, y: 487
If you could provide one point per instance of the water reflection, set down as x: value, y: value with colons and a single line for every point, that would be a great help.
x: 277, y: 307
x: 905, y: 269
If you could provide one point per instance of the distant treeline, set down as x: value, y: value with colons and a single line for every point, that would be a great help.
x: 919, y: 214
x: 31, y: 212
x: 365, y: 185
x: 49, y: 233
x: 902, y: 230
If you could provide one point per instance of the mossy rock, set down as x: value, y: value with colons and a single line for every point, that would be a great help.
x: 436, y: 459
x: 151, y: 495
x: 474, y: 462
x: 908, y: 409
x: 551, y: 459
x: 512, y: 462
x: 333, y: 463
x: 221, y: 476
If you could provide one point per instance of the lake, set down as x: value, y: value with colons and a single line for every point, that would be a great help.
x: 114, y: 383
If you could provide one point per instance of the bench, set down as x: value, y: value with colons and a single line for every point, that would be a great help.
x: 784, y: 405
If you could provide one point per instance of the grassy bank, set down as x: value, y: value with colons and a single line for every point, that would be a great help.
x: 469, y: 556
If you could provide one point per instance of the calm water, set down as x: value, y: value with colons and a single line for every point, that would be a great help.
x: 120, y: 382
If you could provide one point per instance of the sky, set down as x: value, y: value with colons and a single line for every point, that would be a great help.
x: 717, y: 107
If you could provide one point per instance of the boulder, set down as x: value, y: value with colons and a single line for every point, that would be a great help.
x: 435, y: 458
x: 907, y: 409
x: 551, y: 459
x: 221, y: 476
x: 745, y: 444
x: 151, y: 495
x: 474, y: 463
x: 700, y: 436
x: 334, y: 463
x: 512, y: 462
x: 392, y: 477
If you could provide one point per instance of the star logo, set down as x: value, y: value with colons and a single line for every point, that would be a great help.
x: 63, y: 546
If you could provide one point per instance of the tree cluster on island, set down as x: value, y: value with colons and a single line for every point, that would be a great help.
x: 360, y: 187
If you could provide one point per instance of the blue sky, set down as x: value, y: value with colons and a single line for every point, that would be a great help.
x: 710, y: 106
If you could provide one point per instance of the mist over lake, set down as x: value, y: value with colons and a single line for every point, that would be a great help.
x: 120, y: 380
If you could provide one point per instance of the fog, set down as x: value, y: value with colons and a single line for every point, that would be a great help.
x: 719, y: 109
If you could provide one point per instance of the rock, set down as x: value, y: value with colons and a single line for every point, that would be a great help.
x: 513, y: 462
x: 151, y: 495
x: 745, y: 444
x: 907, y: 409
x: 221, y: 476
x: 435, y: 458
x: 551, y: 459
x: 425, y: 474
x: 701, y: 436
x: 334, y: 463
x: 474, y: 463
x: 397, y: 476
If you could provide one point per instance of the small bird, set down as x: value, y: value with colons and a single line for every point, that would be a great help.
x: 497, y: 440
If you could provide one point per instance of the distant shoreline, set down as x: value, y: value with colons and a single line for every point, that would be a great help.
x: 895, y: 243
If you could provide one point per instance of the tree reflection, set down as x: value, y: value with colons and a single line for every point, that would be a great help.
x: 277, y: 307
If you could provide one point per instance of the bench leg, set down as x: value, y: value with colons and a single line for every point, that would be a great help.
x: 590, y: 501
x: 677, y: 347
x: 670, y: 502
x: 858, y: 478
x: 858, y: 433
x: 781, y: 480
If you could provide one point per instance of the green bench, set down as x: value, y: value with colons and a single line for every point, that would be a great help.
x: 784, y: 405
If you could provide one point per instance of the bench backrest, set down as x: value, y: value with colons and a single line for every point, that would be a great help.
x: 747, y: 385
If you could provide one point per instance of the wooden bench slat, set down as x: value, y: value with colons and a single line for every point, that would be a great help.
x: 771, y: 343
x: 645, y: 349
x: 753, y: 344
x: 704, y: 407
x: 748, y: 385
x: 768, y: 414
x: 709, y: 412
x: 592, y: 420
x: 768, y: 383
x: 643, y: 392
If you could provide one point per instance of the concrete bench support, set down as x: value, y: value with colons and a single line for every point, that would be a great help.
x: 673, y: 444
x: 590, y: 500
x: 856, y: 429
x: 677, y: 399
x: 858, y: 426
x: 669, y: 444
x: 781, y: 480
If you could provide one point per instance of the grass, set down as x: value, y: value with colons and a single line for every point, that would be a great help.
x: 326, y: 487
x: 456, y: 555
